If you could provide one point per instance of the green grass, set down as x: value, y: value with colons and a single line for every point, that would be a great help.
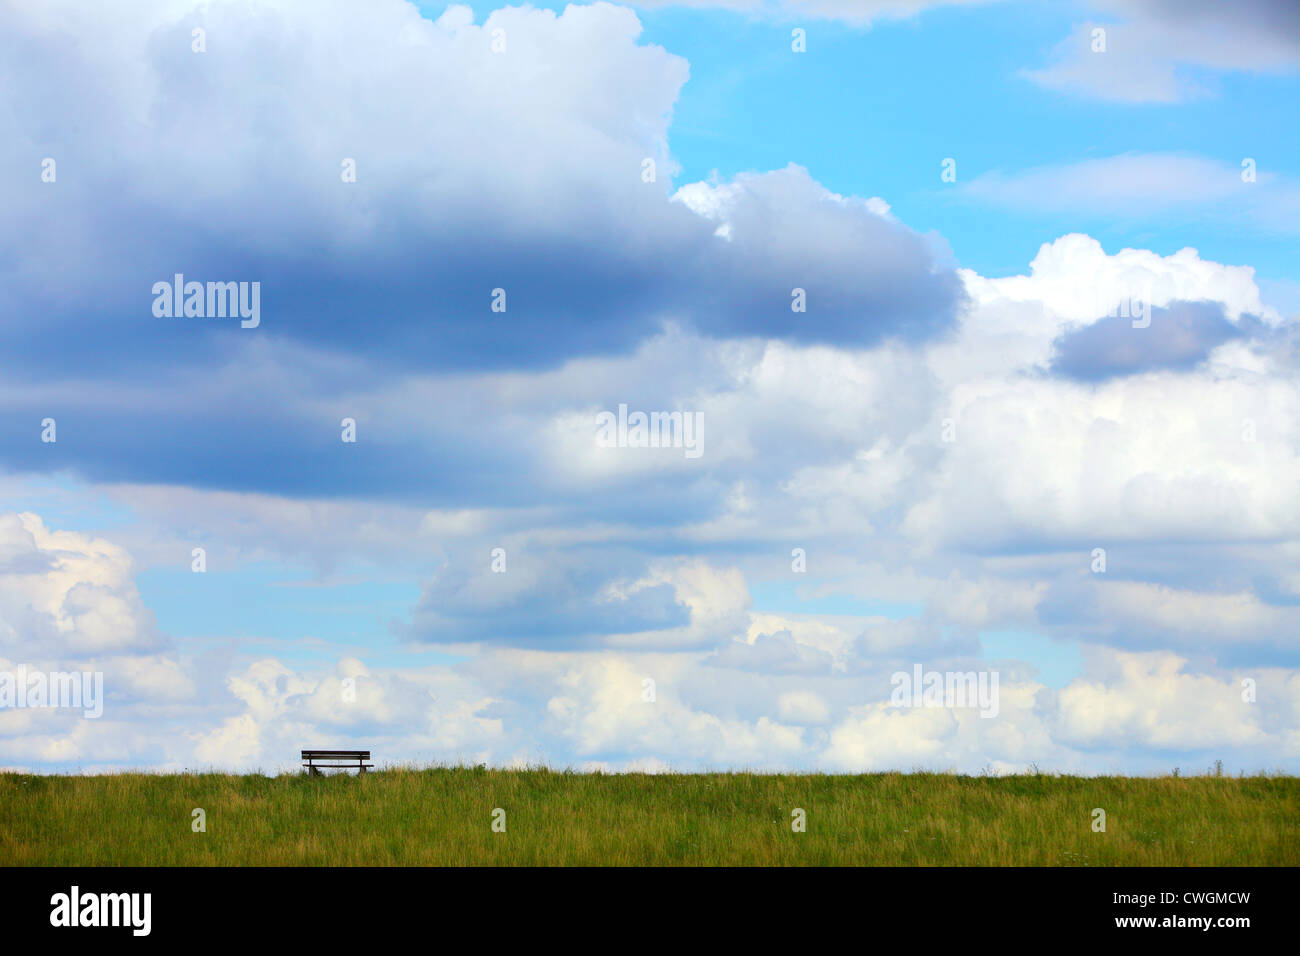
x: 443, y: 816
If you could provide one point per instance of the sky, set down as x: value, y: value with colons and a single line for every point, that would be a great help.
x: 979, y: 322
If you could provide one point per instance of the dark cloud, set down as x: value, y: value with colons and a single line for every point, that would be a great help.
x: 474, y: 172
x: 1279, y: 18
x: 1178, y: 338
x: 552, y: 600
x: 226, y: 166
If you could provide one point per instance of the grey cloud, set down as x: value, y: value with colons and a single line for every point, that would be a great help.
x: 550, y: 599
x: 522, y: 173
x: 1179, y: 337
x: 777, y: 653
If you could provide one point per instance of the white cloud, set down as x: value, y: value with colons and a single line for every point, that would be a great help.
x: 802, y: 707
x: 1071, y: 276
x: 64, y: 594
x: 1149, y: 701
x: 1139, y: 187
x: 858, y: 12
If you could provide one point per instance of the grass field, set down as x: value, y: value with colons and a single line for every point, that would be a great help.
x: 444, y: 816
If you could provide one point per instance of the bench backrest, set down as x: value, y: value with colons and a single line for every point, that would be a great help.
x: 336, y: 755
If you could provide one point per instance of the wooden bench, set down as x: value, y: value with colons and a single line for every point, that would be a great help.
x: 318, y: 760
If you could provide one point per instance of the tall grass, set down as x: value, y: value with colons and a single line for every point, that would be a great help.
x: 443, y: 816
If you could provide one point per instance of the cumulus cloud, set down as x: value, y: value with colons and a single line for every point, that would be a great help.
x: 946, y: 450
x: 774, y: 653
x: 550, y: 598
x: 523, y: 173
x: 64, y: 594
x: 1072, y: 275
x: 868, y: 276
x: 1149, y: 699
x: 552, y: 158
x: 802, y: 707
x: 668, y: 710
x: 1150, y: 615
x: 1184, y: 450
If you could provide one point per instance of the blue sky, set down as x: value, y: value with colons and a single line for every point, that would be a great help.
x: 963, y: 416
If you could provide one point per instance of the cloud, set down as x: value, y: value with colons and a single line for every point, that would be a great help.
x: 1166, y: 51
x: 1072, y: 276
x: 1148, y: 615
x: 857, y: 12
x: 524, y: 173
x: 838, y: 451
x: 550, y: 598
x: 67, y: 595
x: 1139, y: 187
x: 947, y: 449
x: 773, y: 653
x: 802, y: 707
x: 1114, y: 183
x: 866, y: 276
x: 1178, y: 337
x: 1149, y: 700
x: 1179, y: 453
x: 592, y: 709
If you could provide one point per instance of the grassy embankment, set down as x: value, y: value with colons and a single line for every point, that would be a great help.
x: 443, y: 816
